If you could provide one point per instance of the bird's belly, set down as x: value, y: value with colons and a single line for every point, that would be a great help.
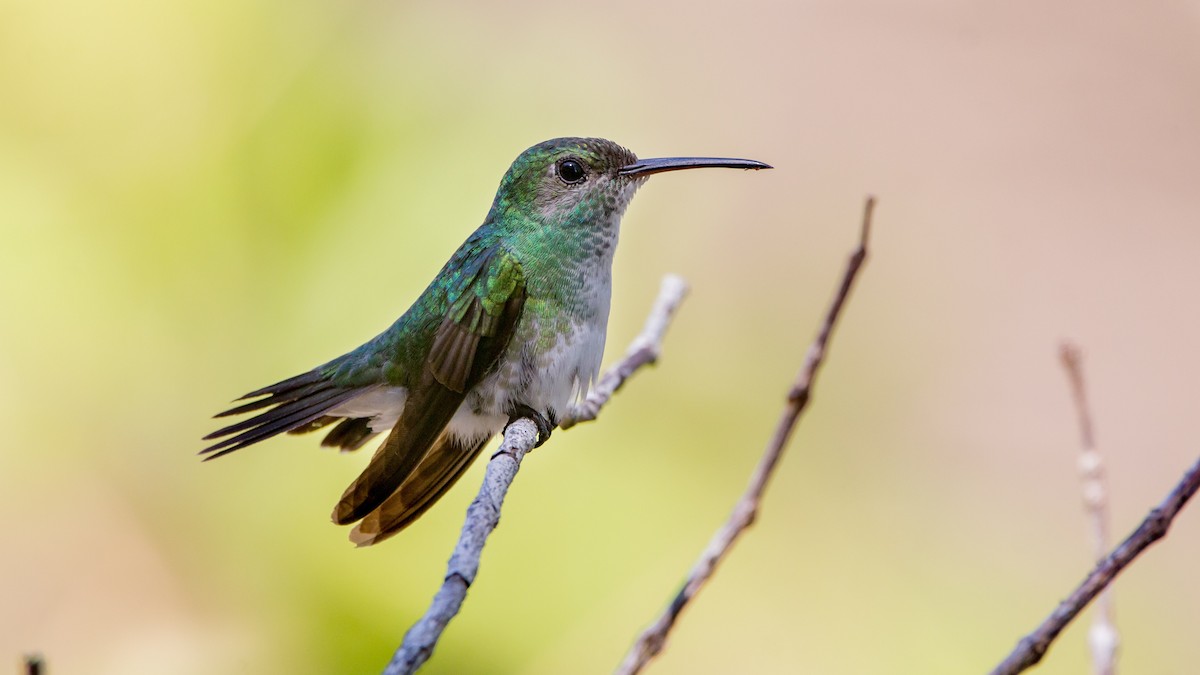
x: 546, y: 374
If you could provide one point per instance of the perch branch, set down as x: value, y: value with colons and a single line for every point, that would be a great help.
x: 644, y: 350
x: 651, y: 641
x: 519, y: 438
x: 1032, y: 647
x: 1103, y: 638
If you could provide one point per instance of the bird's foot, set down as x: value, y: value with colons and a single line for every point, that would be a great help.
x: 545, y: 423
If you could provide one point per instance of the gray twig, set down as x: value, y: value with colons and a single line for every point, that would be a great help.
x: 651, y: 641
x: 1103, y: 638
x: 644, y: 350
x: 519, y: 438
x: 1032, y: 647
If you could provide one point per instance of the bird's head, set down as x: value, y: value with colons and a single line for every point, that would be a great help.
x: 576, y: 181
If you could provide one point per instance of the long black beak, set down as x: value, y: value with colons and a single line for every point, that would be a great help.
x: 646, y: 167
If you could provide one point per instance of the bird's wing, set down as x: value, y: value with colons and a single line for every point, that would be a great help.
x: 443, y: 465
x: 482, y: 310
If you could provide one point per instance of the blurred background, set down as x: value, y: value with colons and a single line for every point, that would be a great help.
x: 197, y: 199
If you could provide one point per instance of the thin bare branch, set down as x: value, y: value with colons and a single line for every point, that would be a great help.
x: 1103, y: 638
x: 644, y: 350
x: 482, y: 517
x: 1032, y: 647
x: 651, y: 641
x: 519, y: 438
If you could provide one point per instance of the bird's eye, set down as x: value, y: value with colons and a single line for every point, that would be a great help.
x: 571, y: 171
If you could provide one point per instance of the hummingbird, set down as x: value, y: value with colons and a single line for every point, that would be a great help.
x: 513, y: 326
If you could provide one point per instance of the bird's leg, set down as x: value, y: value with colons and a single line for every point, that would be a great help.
x: 545, y: 423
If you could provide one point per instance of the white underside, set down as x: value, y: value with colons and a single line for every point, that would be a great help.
x: 559, y: 377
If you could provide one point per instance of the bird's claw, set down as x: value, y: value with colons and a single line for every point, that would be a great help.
x: 545, y: 426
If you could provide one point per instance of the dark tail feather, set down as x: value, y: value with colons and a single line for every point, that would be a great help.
x: 445, y: 463
x: 297, y: 402
x: 291, y: 389
x: 349, y: 434
x: 319, y: 423
x: 289, y: 385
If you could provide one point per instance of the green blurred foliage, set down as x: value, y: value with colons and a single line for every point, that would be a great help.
x: 197, y: 199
